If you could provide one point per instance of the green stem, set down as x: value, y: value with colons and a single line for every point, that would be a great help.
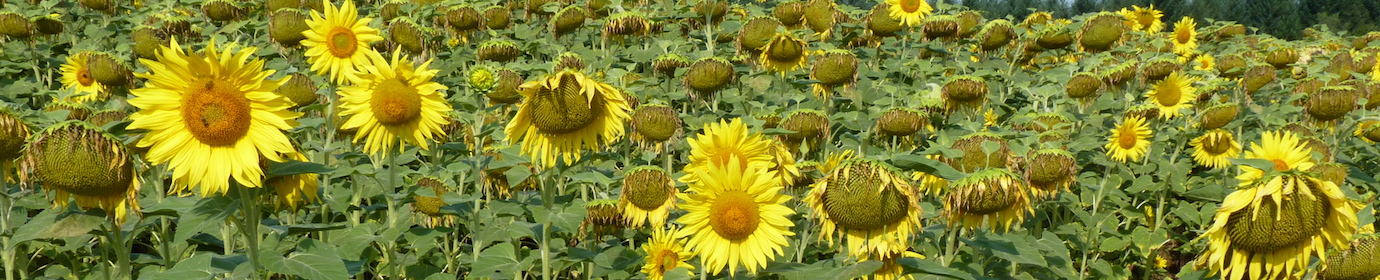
x: 249, y: 227
x: 546, y: 201
x: 7, y: 252
x: 326, y: 157
x: 395, y: 268
x: 122, y: 268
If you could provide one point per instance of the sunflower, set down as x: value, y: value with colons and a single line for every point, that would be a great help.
x: 296, y: 190
x: 338, y: 41
x: 735, y: 216
x: 430, y: 206
x: 1129, y: 141
x: 870, y: 205
x: 992, y: 197
x: 564, y: 113
x: 13, y: 136
x: 1213, y: 149
x: 890, y: 268
x: 648, y: 195
x: 1050, y: 171
x: 1143, y: 19
x: 211, y: 116
x: 1270, y: 229
x: 1185, y: 36
x: 1204, y: 62
x: 665, y: 252
x: 1360, y: 261
x: 75, y: 159
x: 1174, y: 93
x: 1368, y: 131
x: 392, y: 102
x: 76, y: 76
x: 784, y: 53
x: 1283, y: 148
x: 726, y: 141
x: 909, y: 12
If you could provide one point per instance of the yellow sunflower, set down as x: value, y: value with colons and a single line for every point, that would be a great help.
x: 995, y: 198
x: 1281, y: 147
x: 1271, y: 230
x: 665, y: 252
x: 1368, y: 131
x: 869, y: 205
x: 1143, y: 19
x: 726, y: 141
x: 784, y: 53
x: 338, y: 41
x: 76, y: 76
x: 648, y: 195
x: 1204, y: 62
x: 892, y: 270
x: 735, y: 217
x: 296, y: 190
x: 565, y: 113
x: 785, y: 166
x: 909, y: 12
x: 1185, y: 36
x: 1130, y: 141
x: 77, y: 160
x: 1173, y: 94
x: 392, y: 102
x: 1215, y: 148
x: 211, y: 116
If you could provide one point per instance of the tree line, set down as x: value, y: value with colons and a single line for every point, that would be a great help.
x: 1281, y: 18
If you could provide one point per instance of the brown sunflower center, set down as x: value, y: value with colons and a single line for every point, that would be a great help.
x: 565, y: 109
x: 1168, y: 94
x: 341, y: 42
x: 395, y: 102
x: 911, y: 6
x: 1280, y: 165
x: 1183, y: 36
x: 1146, y: 19
x: 647, y: 189
x: 1128, y: 138
x: 853, y: 202
x: 84, y: 77
x: 1272, y: 226
x: 734, y: 215
x: 216, y: 112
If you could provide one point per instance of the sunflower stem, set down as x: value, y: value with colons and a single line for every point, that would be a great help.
x: 326, y: 149
x: 395, y: 269
x: 249, y: 227
x: 6, y: 252
x: 122, y: 268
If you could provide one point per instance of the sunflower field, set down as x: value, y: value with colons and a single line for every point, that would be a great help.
x: 661, y: 139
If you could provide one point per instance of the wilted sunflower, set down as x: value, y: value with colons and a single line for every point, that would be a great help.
x: 834, y: 68
x: 1281, y: 147
x: 1271, y: 229
x: 721, y: 141
x: 811, y: 127
x: 565, y: 113
x: 430, y: 206
x: 1359, y: 261
x: 655, y: 126
x: 1083, y: 86
x: 338, y: 41
x: 74, y: 159
x: 868, y: 205
x: 13, y: 134
x: 909, y: 12
x: 1213, y: 149
x: 1130, y: 140
x: 735, y: 216
x: 76, y: 76
x: 901, y: 124
x: 708, y: 75
x: 665, y: 252
x: 964, y: 92
x: 1368, y: 131
x: 1101, y: 32
x: 1050, y: 171
x: 976, y: 156
x: 1173, y: 94
x: 649, y: 193
x: 784, y: 53
x: 211, y: 116
x: 393, y: 103
x: 1185, y: 36
x: 622, y: 25
x: 992, y: 197
x: 1143, y: 19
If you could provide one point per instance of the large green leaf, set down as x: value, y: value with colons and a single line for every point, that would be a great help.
x: 313, y: 260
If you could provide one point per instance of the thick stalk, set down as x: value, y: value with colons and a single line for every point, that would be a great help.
x: 326, y: 157
x: 392, y: 214
x: 249, y: 227
x: 6, y: 252
x: 122, y: 268
x: 546, y: 201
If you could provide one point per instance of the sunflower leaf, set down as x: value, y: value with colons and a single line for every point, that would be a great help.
x: 929, y: 166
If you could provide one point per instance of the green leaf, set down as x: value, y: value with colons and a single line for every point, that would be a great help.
x: 314, y: 260
x: 304, y: 228
x: 35, y: 227
x: 911, y: 162
x: 208, y: 213
x: 74, y: 225
x: 932, y: 267
x: 853, y: 271
x: 292, y: 167
x: 196, y: 267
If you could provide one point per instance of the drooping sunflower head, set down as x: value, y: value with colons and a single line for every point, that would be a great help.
x: 901, y: 122
x: 1083, y: 85
x: 649, y: 193
x: 407, y: 34
x: 1283, y: 148
x: 909, y: 12
x: 1331, y: 172
x: 1273, y: 228
x: 784, y: 53
x: 994, y: 198
x: 565, y: 113
x: 568, y: 20
x: 300, y: 89
x: 735, y: 216
x: 461, y: 18
x: 867, y: 203
x: 668, y: 63
x: 1055, y: 35
x: 1231, y: 31
x: 1281, y: 57
x: 1342, y: 64
x: 497, y: 17
x: 1120, y: 74
x: 1256, y: 77
x: 996, y: 34
x: 337, y: 44
x: 1129, y: 141
x: 1330, y: 103
x: 286, y: 26
x: 1100, y: 32
x: 880, y: 23
x: 834, y: 68
x: 1215, y: 148
x: 809, y: 126
x: 709, y: 75
x: 223, y: 10
x: 430, y: 206
x: 969, y: 23
x: 656, y: 124
x: 1231, y: 66
x: 1220, y: 115
x: 147, y: 39
x: 665, y: 252
x: 14, y: 133
x: 1368, y: 130
x: 975, y: 157
x: 789, y: 13
x: 292, y: 191
x: 498, y: 50
x: 104, y: 117
x: 1360, y: 261
x: 605, y: 218
x: 76, y: 77
x: 505, y: 89
x: 713, y: 10
x: 74, y: 159
x: 1037, y: 19
x: 1050, y: 171
x: 569, y: 60
x: 964, y: 92
x: 1173, y: 94
x: 75, y: 111
x: 1158, y: 69
x: 1298, y: 129
x: 819, y: 16
x: 938, y: 26
x: 14, y: 25
x: 1047, y: 121
x: 627, y: 24
x: 108, y: 70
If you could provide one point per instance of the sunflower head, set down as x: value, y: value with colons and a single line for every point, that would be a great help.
x: 880, y: 23
x: 462, y: 18
x: 1257, y: 77
x: 1083, y: 85
x: 769, y: 120
x: 1054, y: 36
x: 285, y: 26
x: 1231, y: 31
x: 482, y: 79
x: 900, y: 122
x: 147, y: 39
x: 1286, y: 219
x: 964, y: 92
x: 1100, y: 32
x: 655, y: 123
x: 76, y: 159
x: 104, y: 117
x: 497, y: 17
x: 648, y: 193
x: 756, y: 34
x: 1047, y: 121
x: 1281, y: 57
x: 1331, y: 172
x: 735, y: 216
x: 409, y: 35
x: 535, y: 7
x: 665, y: 252
x: 1330, y: 103
x: 1316, y: 145
x: 14, y: 25
x: 668, y: 63
x: 1342, y: 64
x: 807, y: 124
x: 819, y: 16
x: 505, y: 89
x: 709, y: 75
x: 1369, y: 130
x: 784, y: 53
x: 568, y: 20
x: 430, y: 206
x: 975, y: 156
x: 565, y: 113
x: 937, y: 26
x: 498, y: 50
x: 1037, y: 19
x: 109, y: 71
x: 98, y: 5
x: 389, y: 9
x: 222, y: 10
x: 991, y: 197
x: 996, y: 34
x: 713, y: 10
x: 1297, y: 129
x: 1120, y: 74
x: 1129, y: 140
x: 1215, y: 149
x: 969, y: 21
x: 569, y: 60
x: 1050, y: 170
x: 627, y: 24
x: 300, y: 89
x: 1360, y: 260
x: 1174, y: 93
x: 49, y: 25
x: 835, y: 68
x: 1158, y: 69
x: 1220, y: 115
x: 76, y: 111
x: 13, y: 135
x: 1231, y: 66
x: 604, y: 218
x: 866, y: 198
